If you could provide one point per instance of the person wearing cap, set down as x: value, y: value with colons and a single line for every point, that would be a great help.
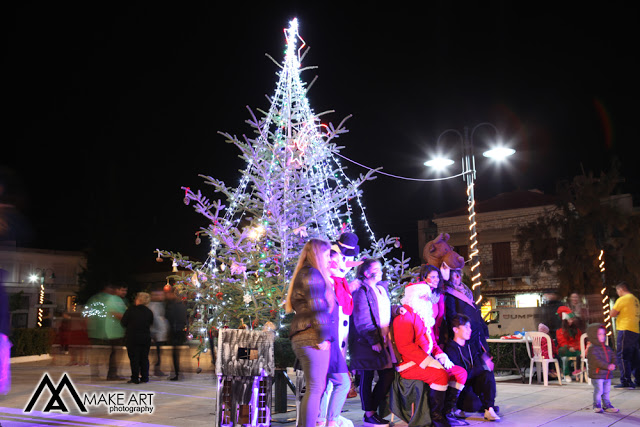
x: 421, y: 358
x: 568, y: 337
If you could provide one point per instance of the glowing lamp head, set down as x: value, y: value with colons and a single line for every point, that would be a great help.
x: 499, y: 153
x: 33, y: 278
x: 438, y: 163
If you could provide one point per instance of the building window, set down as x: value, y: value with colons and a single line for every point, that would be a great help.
x: 501, y: 259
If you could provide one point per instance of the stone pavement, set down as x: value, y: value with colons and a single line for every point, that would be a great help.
x: 191, y: 402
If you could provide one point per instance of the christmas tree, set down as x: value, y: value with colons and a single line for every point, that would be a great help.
x: 293, y: 188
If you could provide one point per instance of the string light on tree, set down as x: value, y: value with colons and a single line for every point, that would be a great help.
x: 291, y: 190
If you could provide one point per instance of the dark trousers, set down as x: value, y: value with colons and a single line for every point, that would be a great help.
x: 628, y: 355
x: 177, y: 339
x: 372, y: 398
x: 99, y: 355
x: 113, y: 357
x: 139, y: 360
x: 479, y: 392
x: 158, y: 345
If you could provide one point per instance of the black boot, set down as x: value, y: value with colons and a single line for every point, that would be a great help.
x: 450, y: 401
x: 436, y: 406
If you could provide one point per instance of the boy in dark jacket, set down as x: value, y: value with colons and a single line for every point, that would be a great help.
x: 599, y: 357
x: 479, y: 393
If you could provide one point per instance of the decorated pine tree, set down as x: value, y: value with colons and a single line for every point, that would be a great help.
x: 293, y: 188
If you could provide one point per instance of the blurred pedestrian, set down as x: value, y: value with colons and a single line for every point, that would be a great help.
x: 104, y: 312
x: 5, y: 343
x: 138, y: 320
x: 160, y: 327
x: 577, y: 306
x: 176, y: 314
x: 73, y: 338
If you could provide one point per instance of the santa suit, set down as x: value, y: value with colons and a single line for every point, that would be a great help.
x: 417, y: 345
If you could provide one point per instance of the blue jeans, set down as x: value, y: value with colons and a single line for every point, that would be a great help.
x: 315, y: 364
x: 627, y: 354
x: 601, y: 393
x: 334, y: 396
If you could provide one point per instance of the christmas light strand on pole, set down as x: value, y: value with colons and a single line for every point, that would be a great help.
x: 469, y: 176
x: 605, y: 300
x: 469, y: 171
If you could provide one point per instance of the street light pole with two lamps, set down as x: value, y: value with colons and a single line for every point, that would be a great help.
x: 39, y: 275
x: 469, y: 176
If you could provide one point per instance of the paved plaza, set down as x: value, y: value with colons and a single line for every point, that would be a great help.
x: 191, y: 402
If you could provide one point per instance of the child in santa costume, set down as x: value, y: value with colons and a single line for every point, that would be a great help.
x: 420, y: 357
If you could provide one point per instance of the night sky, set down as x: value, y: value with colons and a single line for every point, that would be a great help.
x: 110, y: 109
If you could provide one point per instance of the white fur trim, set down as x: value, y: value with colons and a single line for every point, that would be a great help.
x: 438, y: 387
x: 422, y: 307
x: 404, y: 366
x: 426, y: 362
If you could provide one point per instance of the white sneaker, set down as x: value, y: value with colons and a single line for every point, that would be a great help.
x: 490, y: 415
x: 567, y: 379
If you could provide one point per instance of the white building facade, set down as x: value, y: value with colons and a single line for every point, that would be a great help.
x: 41, y: 284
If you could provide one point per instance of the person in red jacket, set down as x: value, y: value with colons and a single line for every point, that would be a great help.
x: 568, y: 338
x: 420, y: 358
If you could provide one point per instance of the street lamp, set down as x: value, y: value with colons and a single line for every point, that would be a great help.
x: 469, y: 176
x: 39, y: 275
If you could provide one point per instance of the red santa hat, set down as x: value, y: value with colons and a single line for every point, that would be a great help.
x: 565, y: 312
x: 416, y: 290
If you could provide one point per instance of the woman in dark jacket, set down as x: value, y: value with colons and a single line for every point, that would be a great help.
x: 311, y: 297
x: 459, y: 300
x: 369, y: 339
x: 137, y: 321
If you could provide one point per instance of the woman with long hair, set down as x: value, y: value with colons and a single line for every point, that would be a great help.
x: 311, y: 297
x: 369, y: 339
x: 430, y: 274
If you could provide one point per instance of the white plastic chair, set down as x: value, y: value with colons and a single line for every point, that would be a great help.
x: 584, y: 364
x: 537, y: 340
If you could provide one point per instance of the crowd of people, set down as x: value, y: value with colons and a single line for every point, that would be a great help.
x: 108, y: 321
x: 436, y: 337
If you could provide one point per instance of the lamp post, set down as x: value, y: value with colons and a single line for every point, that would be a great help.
x: 469, y: 176
x: 39, y: 275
